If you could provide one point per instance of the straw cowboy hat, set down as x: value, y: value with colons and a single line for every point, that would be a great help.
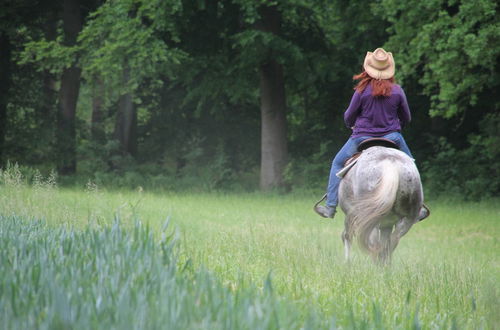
x: 379, y: 64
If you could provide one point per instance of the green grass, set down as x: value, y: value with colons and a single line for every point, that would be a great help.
x: 107, y: 277
x: 444, y: 274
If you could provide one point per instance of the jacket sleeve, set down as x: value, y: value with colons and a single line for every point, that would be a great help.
x: 353, y: 110
x: 404, y: 110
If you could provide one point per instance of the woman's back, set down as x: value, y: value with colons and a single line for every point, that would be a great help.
x: 377, y: 115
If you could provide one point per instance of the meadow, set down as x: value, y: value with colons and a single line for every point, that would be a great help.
x: 92, y: 258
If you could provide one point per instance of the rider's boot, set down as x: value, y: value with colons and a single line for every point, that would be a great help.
x: 424, y: 212
x: 325, y: 211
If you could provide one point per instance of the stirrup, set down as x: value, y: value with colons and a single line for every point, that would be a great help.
x: 319, y: 202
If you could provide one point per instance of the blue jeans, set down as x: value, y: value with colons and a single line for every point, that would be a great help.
x: 345, y: 153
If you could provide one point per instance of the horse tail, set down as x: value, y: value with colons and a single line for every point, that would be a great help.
x: 371, y: 209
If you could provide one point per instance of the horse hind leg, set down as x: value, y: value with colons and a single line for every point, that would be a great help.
x: 384, y: 252
x: 347, y: 238
x: 401, y: 228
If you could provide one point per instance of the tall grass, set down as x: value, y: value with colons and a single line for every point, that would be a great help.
x: 110, y: 278
x: 445, y: 273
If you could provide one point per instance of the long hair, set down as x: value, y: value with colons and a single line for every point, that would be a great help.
x: 380, y: 87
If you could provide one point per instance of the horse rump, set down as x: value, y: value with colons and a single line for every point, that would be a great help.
x: 373, y: 206
x: 381, y: 197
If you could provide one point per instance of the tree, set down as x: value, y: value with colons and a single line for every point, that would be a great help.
x: 5, y: 81
x: 18, y: 19
x: 68, y: 92
x: 121, y: 46
x: 257, y: 50
x: 126, y: 121
x: 450, y: 47
x: 273, y: 109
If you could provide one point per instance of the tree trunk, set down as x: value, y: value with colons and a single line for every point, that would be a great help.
x: 5, y: 81
x: 126, y: 124
x: 66, y: 137
x: 97, y: 121
x: 49, y: 96
x: 274, y: 152
x: 68, y: 93
x: 273, y: 126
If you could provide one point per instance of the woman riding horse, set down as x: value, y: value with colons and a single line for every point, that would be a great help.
x: 378, y: 108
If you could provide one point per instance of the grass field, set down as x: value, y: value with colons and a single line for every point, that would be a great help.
x: 269, y: 262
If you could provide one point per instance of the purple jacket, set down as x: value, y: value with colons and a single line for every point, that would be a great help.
x: 377, y: 116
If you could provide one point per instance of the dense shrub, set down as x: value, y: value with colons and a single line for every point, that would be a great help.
x: 472, y: 172
x: 310, y: 173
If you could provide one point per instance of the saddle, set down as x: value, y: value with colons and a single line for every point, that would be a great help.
x: 368, y: 143
x: 377, y: 142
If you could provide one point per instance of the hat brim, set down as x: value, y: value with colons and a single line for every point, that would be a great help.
x: 386, y: 73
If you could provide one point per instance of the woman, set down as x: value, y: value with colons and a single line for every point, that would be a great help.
x: 378, y: 108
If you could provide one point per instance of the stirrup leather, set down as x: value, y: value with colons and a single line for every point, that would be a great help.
x: 319, y: 202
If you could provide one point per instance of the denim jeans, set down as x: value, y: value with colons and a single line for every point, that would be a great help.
x: 345, y: 153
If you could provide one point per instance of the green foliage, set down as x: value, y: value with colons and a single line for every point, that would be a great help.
x: 29, y: 133
x: 450, y: 47
x: 467, y: 172
x: 312, y: 172
x: 125, y: 42
x: 53, y: 56
x: 203, y: 169
x: 14, y: 175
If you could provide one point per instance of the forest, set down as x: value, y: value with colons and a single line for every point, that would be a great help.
x: 241, y: 95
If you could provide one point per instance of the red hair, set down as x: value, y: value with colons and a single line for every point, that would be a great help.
x: 380, y: 87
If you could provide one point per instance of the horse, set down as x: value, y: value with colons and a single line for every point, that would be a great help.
x: 381, y: 196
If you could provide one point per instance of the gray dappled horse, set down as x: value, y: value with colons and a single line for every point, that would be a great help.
x: 381, y: 197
